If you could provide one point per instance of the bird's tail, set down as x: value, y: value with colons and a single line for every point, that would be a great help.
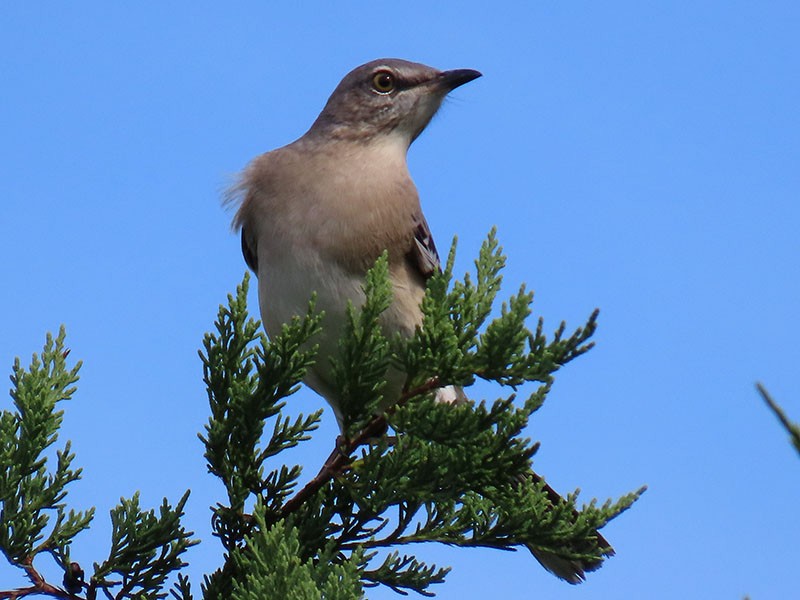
x: 451, y: 394
x: 572, y: 570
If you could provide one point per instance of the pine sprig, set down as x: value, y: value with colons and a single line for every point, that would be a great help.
x: 272, y: 566
x: 360, y: 368
x: 182, y: 590
x: 248, y: 379
x: 402, y: 573
x: 454, y: 474
x: 451, y: 474
x: 29, y: 494
x: 145, y: 548
x: 455, y: 343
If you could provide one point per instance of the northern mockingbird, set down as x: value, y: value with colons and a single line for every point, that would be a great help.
x: 317, y: 213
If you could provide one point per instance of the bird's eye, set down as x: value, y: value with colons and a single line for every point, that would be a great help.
x: 383, y: 82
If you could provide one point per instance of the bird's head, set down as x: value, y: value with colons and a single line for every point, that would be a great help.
x: 387, y: 97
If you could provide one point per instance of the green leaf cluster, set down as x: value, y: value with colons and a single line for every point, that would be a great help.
x: 408, y: 470
x: 145, y: 548
x: 34, y: 520
x: 361, y: 367
x: 454, y: 474
x: 29, y: 494
x: 248, y: 379
x: 456, y: 344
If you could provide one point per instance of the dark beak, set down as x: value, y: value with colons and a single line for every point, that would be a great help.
x: 450, y: 80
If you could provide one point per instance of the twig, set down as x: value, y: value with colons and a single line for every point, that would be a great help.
x: 340, y: 458
x: 791, y: 428
x: 40, y: 586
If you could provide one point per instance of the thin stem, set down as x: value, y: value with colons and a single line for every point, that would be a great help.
x: 791, y: 428
x: 403, y: 541
x: 340, y: 458
x: 40, y: 586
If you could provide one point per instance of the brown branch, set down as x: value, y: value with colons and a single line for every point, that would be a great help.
x: 40, y: 586
x: 404, y: 541
x: 339, y: 459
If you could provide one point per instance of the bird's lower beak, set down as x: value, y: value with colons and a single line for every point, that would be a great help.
x: 450, y: 80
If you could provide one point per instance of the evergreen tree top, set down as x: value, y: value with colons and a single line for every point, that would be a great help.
x: 417, y: 472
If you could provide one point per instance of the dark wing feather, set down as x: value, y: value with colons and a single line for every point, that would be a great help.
x: 249, y: 252
x: 423, y: 254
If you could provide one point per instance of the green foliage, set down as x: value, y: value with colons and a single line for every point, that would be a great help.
x: 273, y: 567
x: 454, y: 474
x: 145, y: 548
x: 360, y: 369
x: 454, y: 346
x: 457, y: 474
x: 248, y: 379
x: 29, y: 494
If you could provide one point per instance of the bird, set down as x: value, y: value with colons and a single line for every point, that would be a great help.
x: 316, y: 214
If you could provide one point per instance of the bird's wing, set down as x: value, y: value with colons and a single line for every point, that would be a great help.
x: 425, y: 260
x: 249, y: 251
x: 423, y: 254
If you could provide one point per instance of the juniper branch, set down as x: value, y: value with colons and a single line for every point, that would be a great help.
x: 340, y: 458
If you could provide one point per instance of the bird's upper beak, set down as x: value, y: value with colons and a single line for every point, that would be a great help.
x: 450, y: 80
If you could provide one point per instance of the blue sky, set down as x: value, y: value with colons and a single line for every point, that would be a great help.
x: 643, y: 158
